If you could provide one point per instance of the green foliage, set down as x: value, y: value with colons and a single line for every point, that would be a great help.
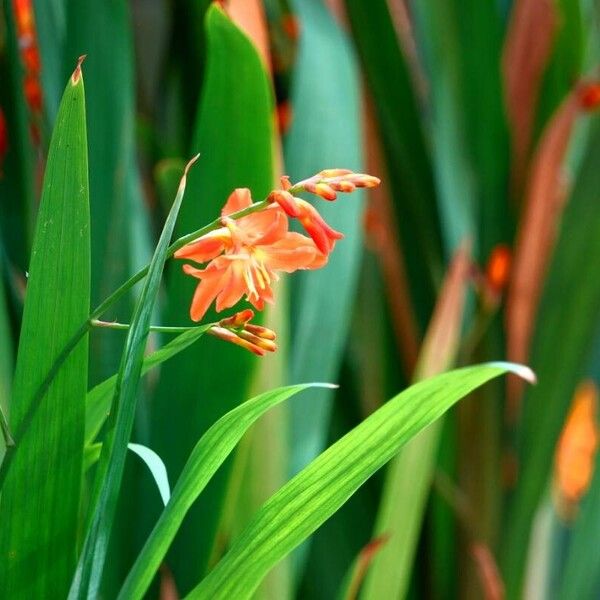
x: 37, y: 540
x: 306, y: 501
x: 413, y: 93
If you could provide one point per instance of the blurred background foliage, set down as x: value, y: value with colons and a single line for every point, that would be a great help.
x: 478, y: 115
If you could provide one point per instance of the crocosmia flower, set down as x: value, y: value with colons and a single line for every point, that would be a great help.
x: 245, y: 256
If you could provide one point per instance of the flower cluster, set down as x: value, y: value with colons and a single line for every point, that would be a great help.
x: 245, y: 255
x: 238, y: 330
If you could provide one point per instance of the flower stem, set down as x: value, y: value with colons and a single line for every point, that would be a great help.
x: 153, y: 328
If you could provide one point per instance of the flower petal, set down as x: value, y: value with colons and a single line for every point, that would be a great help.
x: 205, y: 293
x: 239, y: 199
x: 207, y: 247
x: 234, y: 287
x: 295, y: 251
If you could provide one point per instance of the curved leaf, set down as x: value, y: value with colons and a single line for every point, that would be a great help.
x: 311, y: 497
x: 208, y: 455
x: 40, y: 513
x: 87, y: 578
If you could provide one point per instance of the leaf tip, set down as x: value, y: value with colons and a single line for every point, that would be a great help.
x: 77, y: 72
x: 522, y: 371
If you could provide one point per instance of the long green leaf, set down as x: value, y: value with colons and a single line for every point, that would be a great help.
x: 409, y: 164
x: 99, y: 398
x: 40, y: 498
x: 101, y: 29
x: 208, y: 455
x: 326, y: 90
x: 87, y: 578
x: 311, y: 497
x: 234, y: 133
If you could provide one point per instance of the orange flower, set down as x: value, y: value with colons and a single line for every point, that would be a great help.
x: 576, y: 449
x: 245, y: 256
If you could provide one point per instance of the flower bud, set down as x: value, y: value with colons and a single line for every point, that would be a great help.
x: 317, y: 228
x: 260, y: 342
x: 239, y: 319
x: 262, y: 332
x: 589, y: 96
x: 286, y: 201
x: 229, y: 336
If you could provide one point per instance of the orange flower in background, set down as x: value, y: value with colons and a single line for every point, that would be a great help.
x: 576, y: 450
x: 245, y: 256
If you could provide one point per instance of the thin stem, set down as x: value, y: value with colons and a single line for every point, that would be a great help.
x: 153, y: 328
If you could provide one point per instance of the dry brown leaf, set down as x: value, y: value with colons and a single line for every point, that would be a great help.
x: 529, y: 40
x: 544, y: 202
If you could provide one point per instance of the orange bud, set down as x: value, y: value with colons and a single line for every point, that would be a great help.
x: 285, y: 183
x: 239, y: 319
x: 286, y: 201
x: 285, y: 115
x: 291, y: 26
x: 322, y: 234
x: 262, y: 332
x: 320, y: 189
x: 589, y: 96
x: 343, y: 186
x: 260, y: 342
x: 576, y: 449
x: 497, y: 270
x: 229, y: 336
x: 327, y: 173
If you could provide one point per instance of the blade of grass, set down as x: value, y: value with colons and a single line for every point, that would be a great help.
x: 40, y: 513
x: 110, y: 469
x: 325, y: 90
x: 208, y: 455
x: 99, y: 398
x: 438, y: 40
x: 311, y: 497
x: 409, y: 163
x: 409, y: 476
x: 102, y: 31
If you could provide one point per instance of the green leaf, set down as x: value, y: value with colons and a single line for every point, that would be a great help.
x: 311, y: 497
x: 545, y: 407
x: 436, y: 25
x: 208, y: 455
x: 156, y: 467
x: 409, y: 164
x: 99, y: 398
x: 40, y: 497
x: 234, y: 133
x: 102, y: 31
x: 325, y: 90
x: 87, y: 578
